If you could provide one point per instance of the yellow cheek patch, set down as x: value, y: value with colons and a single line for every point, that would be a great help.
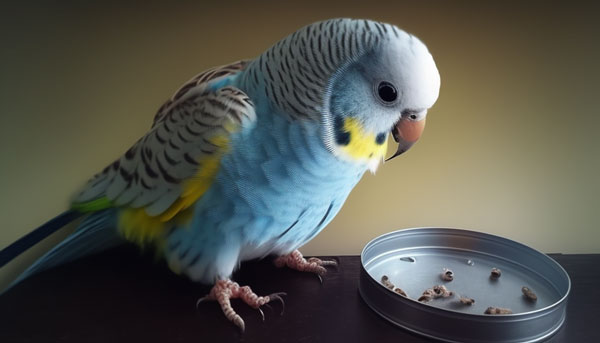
x: 362, y: 145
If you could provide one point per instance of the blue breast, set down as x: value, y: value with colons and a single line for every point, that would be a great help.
x: 277, y: 175
x: 276, y: 189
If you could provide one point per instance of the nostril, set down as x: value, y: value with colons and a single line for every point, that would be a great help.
x: 414, y: 114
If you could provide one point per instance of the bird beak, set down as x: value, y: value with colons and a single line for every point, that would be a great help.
x: 406, y: 132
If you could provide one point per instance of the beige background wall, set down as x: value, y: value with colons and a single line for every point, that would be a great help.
x: 510, y: 147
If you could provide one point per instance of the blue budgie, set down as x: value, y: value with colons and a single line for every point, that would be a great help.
x: 255, y: 158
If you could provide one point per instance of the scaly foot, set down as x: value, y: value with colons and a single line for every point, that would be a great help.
x: 224, y: 290
x: 296, y: 261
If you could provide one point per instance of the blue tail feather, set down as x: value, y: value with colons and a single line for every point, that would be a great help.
x: 96, y: 233
x: 18, y: 247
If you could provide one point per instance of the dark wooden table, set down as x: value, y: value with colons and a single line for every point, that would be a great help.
x: 124, y: 296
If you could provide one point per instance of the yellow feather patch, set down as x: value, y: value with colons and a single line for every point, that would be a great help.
x: 137, y: 226
x: 362, y: 145
x: 199, y: 183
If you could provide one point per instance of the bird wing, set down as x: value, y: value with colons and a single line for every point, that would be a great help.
x: 198, y: 84
x: 170, y: 167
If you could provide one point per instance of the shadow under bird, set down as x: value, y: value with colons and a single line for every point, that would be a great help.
x: 256, y: 157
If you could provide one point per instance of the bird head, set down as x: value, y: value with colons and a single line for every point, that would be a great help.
x: 360, y: 79
x: 387, y: 88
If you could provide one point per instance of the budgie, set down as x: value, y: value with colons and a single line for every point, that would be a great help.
x: 256, y: 157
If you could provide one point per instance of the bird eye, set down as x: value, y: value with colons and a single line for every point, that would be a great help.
x: 387, y: 92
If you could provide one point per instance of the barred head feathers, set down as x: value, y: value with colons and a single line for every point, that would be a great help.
x: 330, y: 72
x: 294, y: 73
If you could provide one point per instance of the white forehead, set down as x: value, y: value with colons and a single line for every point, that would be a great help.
x: 414, y: 65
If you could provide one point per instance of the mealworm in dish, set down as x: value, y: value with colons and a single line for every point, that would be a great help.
x: 498, y: 310
x: 401, y: 292
x: 447, y: 275
x: 437, y: 291
x: 528, y: 293
x: 496, y: 273
x: 467, y: 301
x: 387, y: 283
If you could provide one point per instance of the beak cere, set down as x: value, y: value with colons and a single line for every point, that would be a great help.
x: 406, y: 132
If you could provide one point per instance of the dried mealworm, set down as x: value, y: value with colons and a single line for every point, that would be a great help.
x: 498, y: 310
x: 386, y: 282
x: 401, y: 292
x: 425, y: 298
x: 495, y: 274
x: 528, y: 293
x: 447, y: 275
x: 467, y: 301
x: 437, y: 291
x: 441, y: 291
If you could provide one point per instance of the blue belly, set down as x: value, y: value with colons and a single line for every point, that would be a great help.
x: 276, y: 190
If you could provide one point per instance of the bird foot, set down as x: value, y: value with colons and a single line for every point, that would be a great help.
x: 225, y: 290
x: 295, y: 261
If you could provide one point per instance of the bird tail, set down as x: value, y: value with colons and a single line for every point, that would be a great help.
x: 96, y: 233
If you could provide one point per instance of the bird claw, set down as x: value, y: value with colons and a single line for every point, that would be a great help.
x: 204, y: 298
x: 277, y: 296
x: 274, y: 296
x: 225, y: 290
x: 314, y: 265
x: 239, y: 322
x: 323, y: 263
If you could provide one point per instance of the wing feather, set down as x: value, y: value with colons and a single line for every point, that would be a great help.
x: 173, y: 164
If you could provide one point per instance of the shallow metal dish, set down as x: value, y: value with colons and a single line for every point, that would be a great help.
x: 414, y: 259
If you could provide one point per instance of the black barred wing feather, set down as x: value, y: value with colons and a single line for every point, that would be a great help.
x: 187, y: 138
x: 198, y: 84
